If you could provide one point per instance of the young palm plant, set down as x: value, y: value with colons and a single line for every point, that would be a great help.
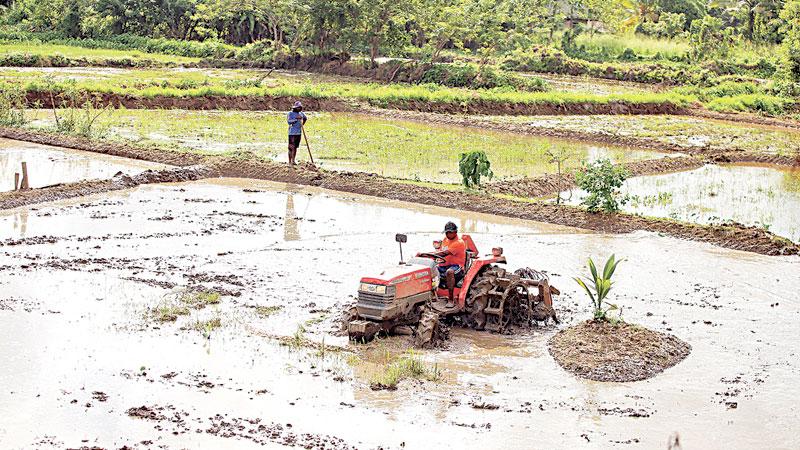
x: 598, y: 287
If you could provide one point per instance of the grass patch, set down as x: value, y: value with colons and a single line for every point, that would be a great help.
x: 199, y: 299
x: 207, y: 325
x: 407, y: 365
x: 266, y: 311
x: 11, y: 50
x: 167, y: 312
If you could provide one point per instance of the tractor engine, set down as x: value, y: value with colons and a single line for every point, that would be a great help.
x: 391, y: 298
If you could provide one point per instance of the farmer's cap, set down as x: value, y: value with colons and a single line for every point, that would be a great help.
x: 297, y: 105
x: 450, y: 226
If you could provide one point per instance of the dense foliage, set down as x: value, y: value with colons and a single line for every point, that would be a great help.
x: 473, y: 166
x: 419, y: 28
x: 601, y: 180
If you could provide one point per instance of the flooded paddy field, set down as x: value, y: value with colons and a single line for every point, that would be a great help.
x: 51, y: 165
x: 353, y: 142
x: 88, y: 363
x: 689, y: 132
x: 760, y: 196
x: 601, y: 86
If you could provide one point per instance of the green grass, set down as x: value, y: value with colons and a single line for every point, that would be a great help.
x: 196, y: 83
x: 407, y: 365
x: 266, y: 311
x: 642, y: 45
x: 407, y: 150
x: 42, y: 49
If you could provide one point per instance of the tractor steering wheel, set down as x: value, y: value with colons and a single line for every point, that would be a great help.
x: 435, y: 257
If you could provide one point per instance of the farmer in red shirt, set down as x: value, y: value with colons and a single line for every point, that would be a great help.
x: 454, y: 252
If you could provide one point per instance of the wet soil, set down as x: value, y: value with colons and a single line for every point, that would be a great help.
x: 554, y: 183
x: 739, y: 237
x: 14, y: 199
x: 602, y: 351
x: 304, y: 249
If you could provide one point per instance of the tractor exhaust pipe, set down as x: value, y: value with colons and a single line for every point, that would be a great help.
x: 401, y: 239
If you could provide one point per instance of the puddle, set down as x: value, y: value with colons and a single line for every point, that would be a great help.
x: 753, y: 195
x: 53, y: 165
x: 355, y: 142
x: 73, y: 321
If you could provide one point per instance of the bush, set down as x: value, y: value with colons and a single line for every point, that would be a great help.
x: 790, y: 48
x: 601, y: 180
x: 12, y: 105
x: 473, y: 166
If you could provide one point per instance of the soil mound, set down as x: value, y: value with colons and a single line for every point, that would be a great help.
x: 601, y: 351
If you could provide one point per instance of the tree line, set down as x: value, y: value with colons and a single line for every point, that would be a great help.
x: 424, y: 27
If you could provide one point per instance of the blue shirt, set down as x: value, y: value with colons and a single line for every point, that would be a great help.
x: 295, y: 121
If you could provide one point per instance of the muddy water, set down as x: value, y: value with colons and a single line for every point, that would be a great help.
x: 76, y: 290
x: 761, y: 196
x: 51, y: 165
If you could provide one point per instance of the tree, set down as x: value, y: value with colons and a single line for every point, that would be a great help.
x: 442, y: 23
x: 473, y: 166
x: 790, y: 48
x: 381, y: 25
x: 601, y: 180
x: 709, y: 39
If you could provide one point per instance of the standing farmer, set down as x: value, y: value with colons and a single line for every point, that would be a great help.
x: 296, y: 120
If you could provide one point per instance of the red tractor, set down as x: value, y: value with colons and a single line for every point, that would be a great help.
x: 407, y: 298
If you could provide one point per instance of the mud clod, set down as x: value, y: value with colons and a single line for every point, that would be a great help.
x: 601, y: 351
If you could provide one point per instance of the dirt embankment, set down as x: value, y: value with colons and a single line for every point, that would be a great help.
x: 271, y: 103
x: 601, y: 351
x: 553, y: 183
x: 120, y: 181
x: 737, y: 237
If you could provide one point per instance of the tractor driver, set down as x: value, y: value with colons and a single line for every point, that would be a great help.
x: 454, y: 252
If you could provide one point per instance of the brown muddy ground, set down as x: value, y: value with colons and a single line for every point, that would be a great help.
x: 623, y: 352
x: 737, y: 237
x: 14, y: 199
x: 84, y: 366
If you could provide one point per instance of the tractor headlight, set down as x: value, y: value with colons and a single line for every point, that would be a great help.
x: 373, y: 288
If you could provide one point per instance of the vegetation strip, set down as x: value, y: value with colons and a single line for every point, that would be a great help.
x: 738, y: 237
x: 474, y: 104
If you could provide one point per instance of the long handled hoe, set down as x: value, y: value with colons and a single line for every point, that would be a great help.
x: 306, y: 139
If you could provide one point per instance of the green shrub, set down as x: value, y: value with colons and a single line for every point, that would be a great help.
x: 473, y: 166
x: 12, y: 105
x: 601, y: 180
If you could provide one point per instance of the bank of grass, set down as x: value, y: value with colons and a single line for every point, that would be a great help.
x: 151, y: 84
x: 48, y: 55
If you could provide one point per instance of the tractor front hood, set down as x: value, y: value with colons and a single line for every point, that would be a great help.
x: 398, y: 274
